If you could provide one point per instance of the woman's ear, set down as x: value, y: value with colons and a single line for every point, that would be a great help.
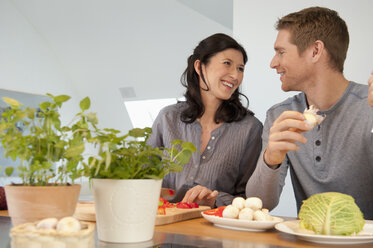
x: 197, y: 64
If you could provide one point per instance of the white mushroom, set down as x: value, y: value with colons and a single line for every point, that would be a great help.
x: 30, y: 227
x: 254, y: 203
x: 265, y: 210
x: 48, y: 223
x: 262, y: 216
x: 231, y: 212
x: 312, y: 116
x: 238, y: 202
x: 68, y: 224
x: 246, y: 214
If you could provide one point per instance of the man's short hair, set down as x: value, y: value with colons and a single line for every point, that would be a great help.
x: 318, y: 23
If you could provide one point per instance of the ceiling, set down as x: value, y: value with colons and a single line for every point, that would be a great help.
x: 220, y: 11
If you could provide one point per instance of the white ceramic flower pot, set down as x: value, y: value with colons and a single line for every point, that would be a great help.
x: 126, y: 209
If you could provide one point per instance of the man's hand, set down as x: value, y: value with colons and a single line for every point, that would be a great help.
x: 201, y: 195
x: 370, y: 92
x: 286, y: 130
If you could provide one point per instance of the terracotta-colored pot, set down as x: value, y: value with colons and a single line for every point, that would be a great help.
x: 33, y: 203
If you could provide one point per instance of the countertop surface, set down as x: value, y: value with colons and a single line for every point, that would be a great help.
x: 197, y: 233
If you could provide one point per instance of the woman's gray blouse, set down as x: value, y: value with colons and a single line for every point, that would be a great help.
x: 226, y: 164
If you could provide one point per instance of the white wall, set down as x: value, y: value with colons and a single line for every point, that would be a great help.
x: 26, y: 62
x: 94, y: 47
x: 253, y: 25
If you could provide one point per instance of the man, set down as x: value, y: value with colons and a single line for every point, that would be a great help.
x: 336, y: 155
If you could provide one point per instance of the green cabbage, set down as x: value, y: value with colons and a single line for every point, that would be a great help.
x: 331, y: 213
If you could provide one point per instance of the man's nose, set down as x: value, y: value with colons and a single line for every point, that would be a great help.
x: 274, y: 62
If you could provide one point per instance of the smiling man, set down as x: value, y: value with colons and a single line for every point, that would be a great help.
x: 336, y: 155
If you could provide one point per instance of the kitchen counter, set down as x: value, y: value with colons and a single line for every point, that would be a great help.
x: 197, y: 233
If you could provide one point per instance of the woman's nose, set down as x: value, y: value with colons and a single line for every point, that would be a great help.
x: 234, y: 73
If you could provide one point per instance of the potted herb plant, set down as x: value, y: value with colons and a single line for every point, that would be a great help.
x: 127, y: 177
x: 48, y: 155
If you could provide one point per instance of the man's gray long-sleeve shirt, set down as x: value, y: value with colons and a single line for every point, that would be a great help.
x: 227, y: 162
x: 338, y: 155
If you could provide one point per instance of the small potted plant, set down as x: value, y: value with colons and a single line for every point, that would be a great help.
x: 48, y: 155
x: 127, y: 176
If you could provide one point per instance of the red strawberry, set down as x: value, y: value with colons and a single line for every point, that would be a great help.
x: 183, y: 205
x: 194, y: 205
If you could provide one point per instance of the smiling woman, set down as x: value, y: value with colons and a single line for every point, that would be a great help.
x: 215, y: 121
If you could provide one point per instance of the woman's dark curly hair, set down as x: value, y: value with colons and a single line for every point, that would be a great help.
x: 230, y: 110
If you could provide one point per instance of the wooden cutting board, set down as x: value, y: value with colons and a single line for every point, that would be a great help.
x: 85, y: 211
x: 178, y: 214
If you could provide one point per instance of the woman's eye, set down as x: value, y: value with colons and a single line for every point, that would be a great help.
x: 227, y: 62
x: 241, y: 69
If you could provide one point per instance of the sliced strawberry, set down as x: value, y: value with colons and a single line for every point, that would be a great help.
x: 194, y: 205
x: 183, y: 205
x: 169, y: 205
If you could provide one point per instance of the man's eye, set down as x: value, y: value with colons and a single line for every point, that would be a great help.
x: 227, y: 62
x: 241, y: 69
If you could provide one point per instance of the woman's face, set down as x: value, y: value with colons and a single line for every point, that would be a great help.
x: 223, y: 74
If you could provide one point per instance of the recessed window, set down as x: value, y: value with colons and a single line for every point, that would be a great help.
x: 143, y: 113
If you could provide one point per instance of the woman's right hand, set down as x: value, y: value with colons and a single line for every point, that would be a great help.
x: 201, y: 195
x: 283, y: 135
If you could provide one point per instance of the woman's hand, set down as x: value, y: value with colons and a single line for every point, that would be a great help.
x: 201, y: 195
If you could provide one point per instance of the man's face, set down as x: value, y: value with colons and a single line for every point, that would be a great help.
x: 293, y: 68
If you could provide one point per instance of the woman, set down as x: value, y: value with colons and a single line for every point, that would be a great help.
x: 226, y: 134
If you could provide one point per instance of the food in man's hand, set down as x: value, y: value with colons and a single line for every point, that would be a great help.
x: 331, y: 213
x: 312, y: 116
